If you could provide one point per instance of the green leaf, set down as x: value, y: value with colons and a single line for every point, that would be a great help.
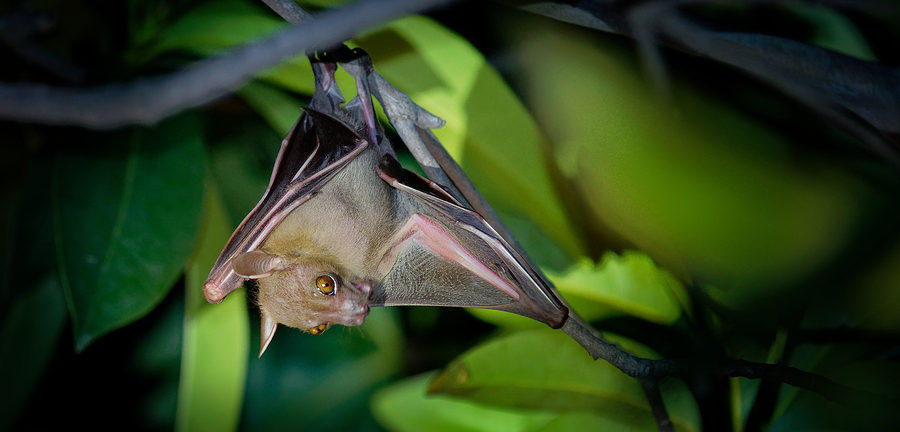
x: 629, y: 284
x: 275, y: 106
x: 545, y: 369
x: 216, y: 337
x: 834, y: 30
x: 406, y: 406
x: 29, y: 332
x: 32, y: 305
x: 125, y: 216
x: 876, y: 299
x: 701, y: 187
x: 214, y: 26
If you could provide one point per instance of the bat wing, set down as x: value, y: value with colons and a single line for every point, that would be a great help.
x: 316, y: 148
x: 448, y: 255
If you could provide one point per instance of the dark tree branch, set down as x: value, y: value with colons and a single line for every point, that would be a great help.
x: 654, y: 398
x: 148, y: 100
x: 598, y: 347
x: 289, y: 10
x: 18, y: 31
x: 644, y: 368
x: 846, y: 335
x: 861, y: 97
x: 831, y: 390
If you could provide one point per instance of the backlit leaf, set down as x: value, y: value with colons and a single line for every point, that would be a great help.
x: 545, y: 369
x: 216, y: 337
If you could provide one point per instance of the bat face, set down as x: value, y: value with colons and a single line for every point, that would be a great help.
x: 310, y: 293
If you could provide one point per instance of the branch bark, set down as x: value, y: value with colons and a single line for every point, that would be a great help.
x: 860, y: 97
x: 654, y: 398
x: 149, y: 100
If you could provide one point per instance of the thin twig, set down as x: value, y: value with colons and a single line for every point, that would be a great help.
x: 654, y: 398
x: 831, y: 390
x: 148, y: 100
x: 598, y: 347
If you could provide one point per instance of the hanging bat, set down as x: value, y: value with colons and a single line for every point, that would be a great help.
x: 342, y: 227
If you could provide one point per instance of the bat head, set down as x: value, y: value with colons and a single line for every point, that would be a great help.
x: 307, y: 292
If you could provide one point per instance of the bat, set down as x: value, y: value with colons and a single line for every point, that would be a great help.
x: 343, y: 226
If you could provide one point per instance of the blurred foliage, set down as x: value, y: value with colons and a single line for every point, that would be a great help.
x: 719, y: 219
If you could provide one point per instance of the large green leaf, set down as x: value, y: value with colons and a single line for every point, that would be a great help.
x: 834, y: 30
x: 125, y: 215
x: 275, y: 106
x: 700, y: 186
x: 212, y: 27
x: 406, y: 406
x: 629, y: 284
x: 876, y: 298
x: 545, y: 369
x: 216, y: 337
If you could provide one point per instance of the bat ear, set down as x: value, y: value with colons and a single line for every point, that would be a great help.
x: 257, y: 264
x: 266, y: 332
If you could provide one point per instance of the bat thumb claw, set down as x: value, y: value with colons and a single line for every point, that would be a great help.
x: 266, y: 332
x: 213, y: 292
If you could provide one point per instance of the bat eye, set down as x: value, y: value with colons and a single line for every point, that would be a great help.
x: 317, y: 330
x: 326, y: 284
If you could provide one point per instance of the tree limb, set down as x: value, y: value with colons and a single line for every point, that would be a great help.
x: 860, y: 97
x: 289, y: 10
x: 148, y: 100
x: 644, y: 368
x: 654, y: 398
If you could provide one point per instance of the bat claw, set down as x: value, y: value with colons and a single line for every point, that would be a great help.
x: 213, y: 292
x: 266, y: 332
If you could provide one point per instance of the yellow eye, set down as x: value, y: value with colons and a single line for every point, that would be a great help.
x: 326, y: 284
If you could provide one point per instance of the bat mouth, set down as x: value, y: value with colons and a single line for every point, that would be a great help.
x: 350, y: 314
